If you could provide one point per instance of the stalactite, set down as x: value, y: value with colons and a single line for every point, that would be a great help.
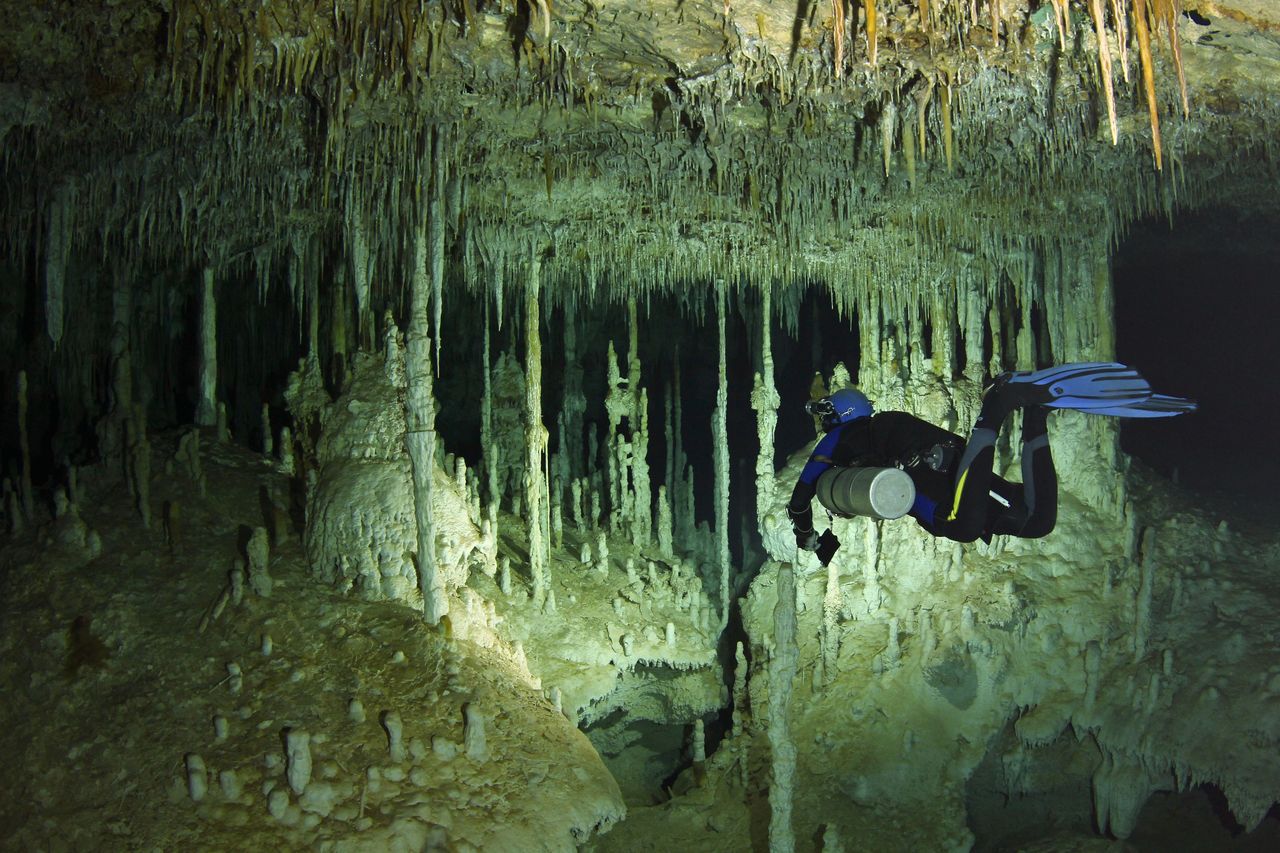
x: 534, y: 440
x: 1148, y: 77
x: 869, y: 7
x: 420, y: 433
x: 948, y: 144
x: 765, y: 401
x: 311, y: 290
x: 739, y: 690
x: 888, y: 124
x: 837, y: 8
x: 362, y: 263
x: 207, y: 404
x: 1118, y: 15
x: 436, y: 238
x: 57, y: 256
x: 720, y: 452
x: 1104, y: 65
x: 909, y: 152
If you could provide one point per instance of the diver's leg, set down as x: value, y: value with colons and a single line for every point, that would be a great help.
x: 966, y: 518
x: 1039, y: 479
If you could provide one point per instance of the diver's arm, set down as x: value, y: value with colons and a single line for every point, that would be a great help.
x: 798, y: 508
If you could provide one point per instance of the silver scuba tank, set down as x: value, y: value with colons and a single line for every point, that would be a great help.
x: 884, y: 493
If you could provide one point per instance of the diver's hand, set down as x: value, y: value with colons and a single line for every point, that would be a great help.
x: 807, y: 540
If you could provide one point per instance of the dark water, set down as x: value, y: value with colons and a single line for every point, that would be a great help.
x: 1198, y: 311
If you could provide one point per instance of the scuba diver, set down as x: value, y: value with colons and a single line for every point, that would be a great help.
x: 891, y: 464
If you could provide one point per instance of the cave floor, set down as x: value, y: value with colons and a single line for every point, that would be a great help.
x: 112, y: 683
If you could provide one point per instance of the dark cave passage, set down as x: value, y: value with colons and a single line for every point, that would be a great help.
x: 1195, y: 311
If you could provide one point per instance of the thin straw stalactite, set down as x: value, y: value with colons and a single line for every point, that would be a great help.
x: 1119, y: 14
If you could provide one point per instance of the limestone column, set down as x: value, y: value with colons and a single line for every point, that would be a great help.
x: 782, y: 748
x: 207, y: 403
x: 420, y: 417
x: 720, y: 444
x: 534, y: 431
x: 487, y: 442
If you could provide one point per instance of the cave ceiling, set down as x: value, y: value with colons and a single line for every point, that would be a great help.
x: 668, y: 139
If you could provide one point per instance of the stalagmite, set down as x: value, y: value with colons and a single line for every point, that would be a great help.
x: 832, y: 604
x: 197, y: 777
x: 534, y: 436
x: 782, y: 670
x: 286, y: 461
x: 720, y: 453
x: 235, y: 678
x: 665, y: 540
x: 257, y: 550
x: 268, y: 444
x: 25, y: 491
x: 395, y: 736
x: 739, y: 689
x: 139, y: 464
x: 229, y: 782
x: 207, y: 403
x: 473, y: 734
x: 420, y: 430
x: 893, y: 651
x: 298, y: 759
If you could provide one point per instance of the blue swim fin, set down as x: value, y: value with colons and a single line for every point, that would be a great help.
x: 1083, y: 385
x: 1155, y: 406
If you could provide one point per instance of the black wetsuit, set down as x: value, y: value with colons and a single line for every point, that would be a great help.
x: 962, y: 499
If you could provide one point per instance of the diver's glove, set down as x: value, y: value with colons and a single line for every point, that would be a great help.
x: 807, y: 540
